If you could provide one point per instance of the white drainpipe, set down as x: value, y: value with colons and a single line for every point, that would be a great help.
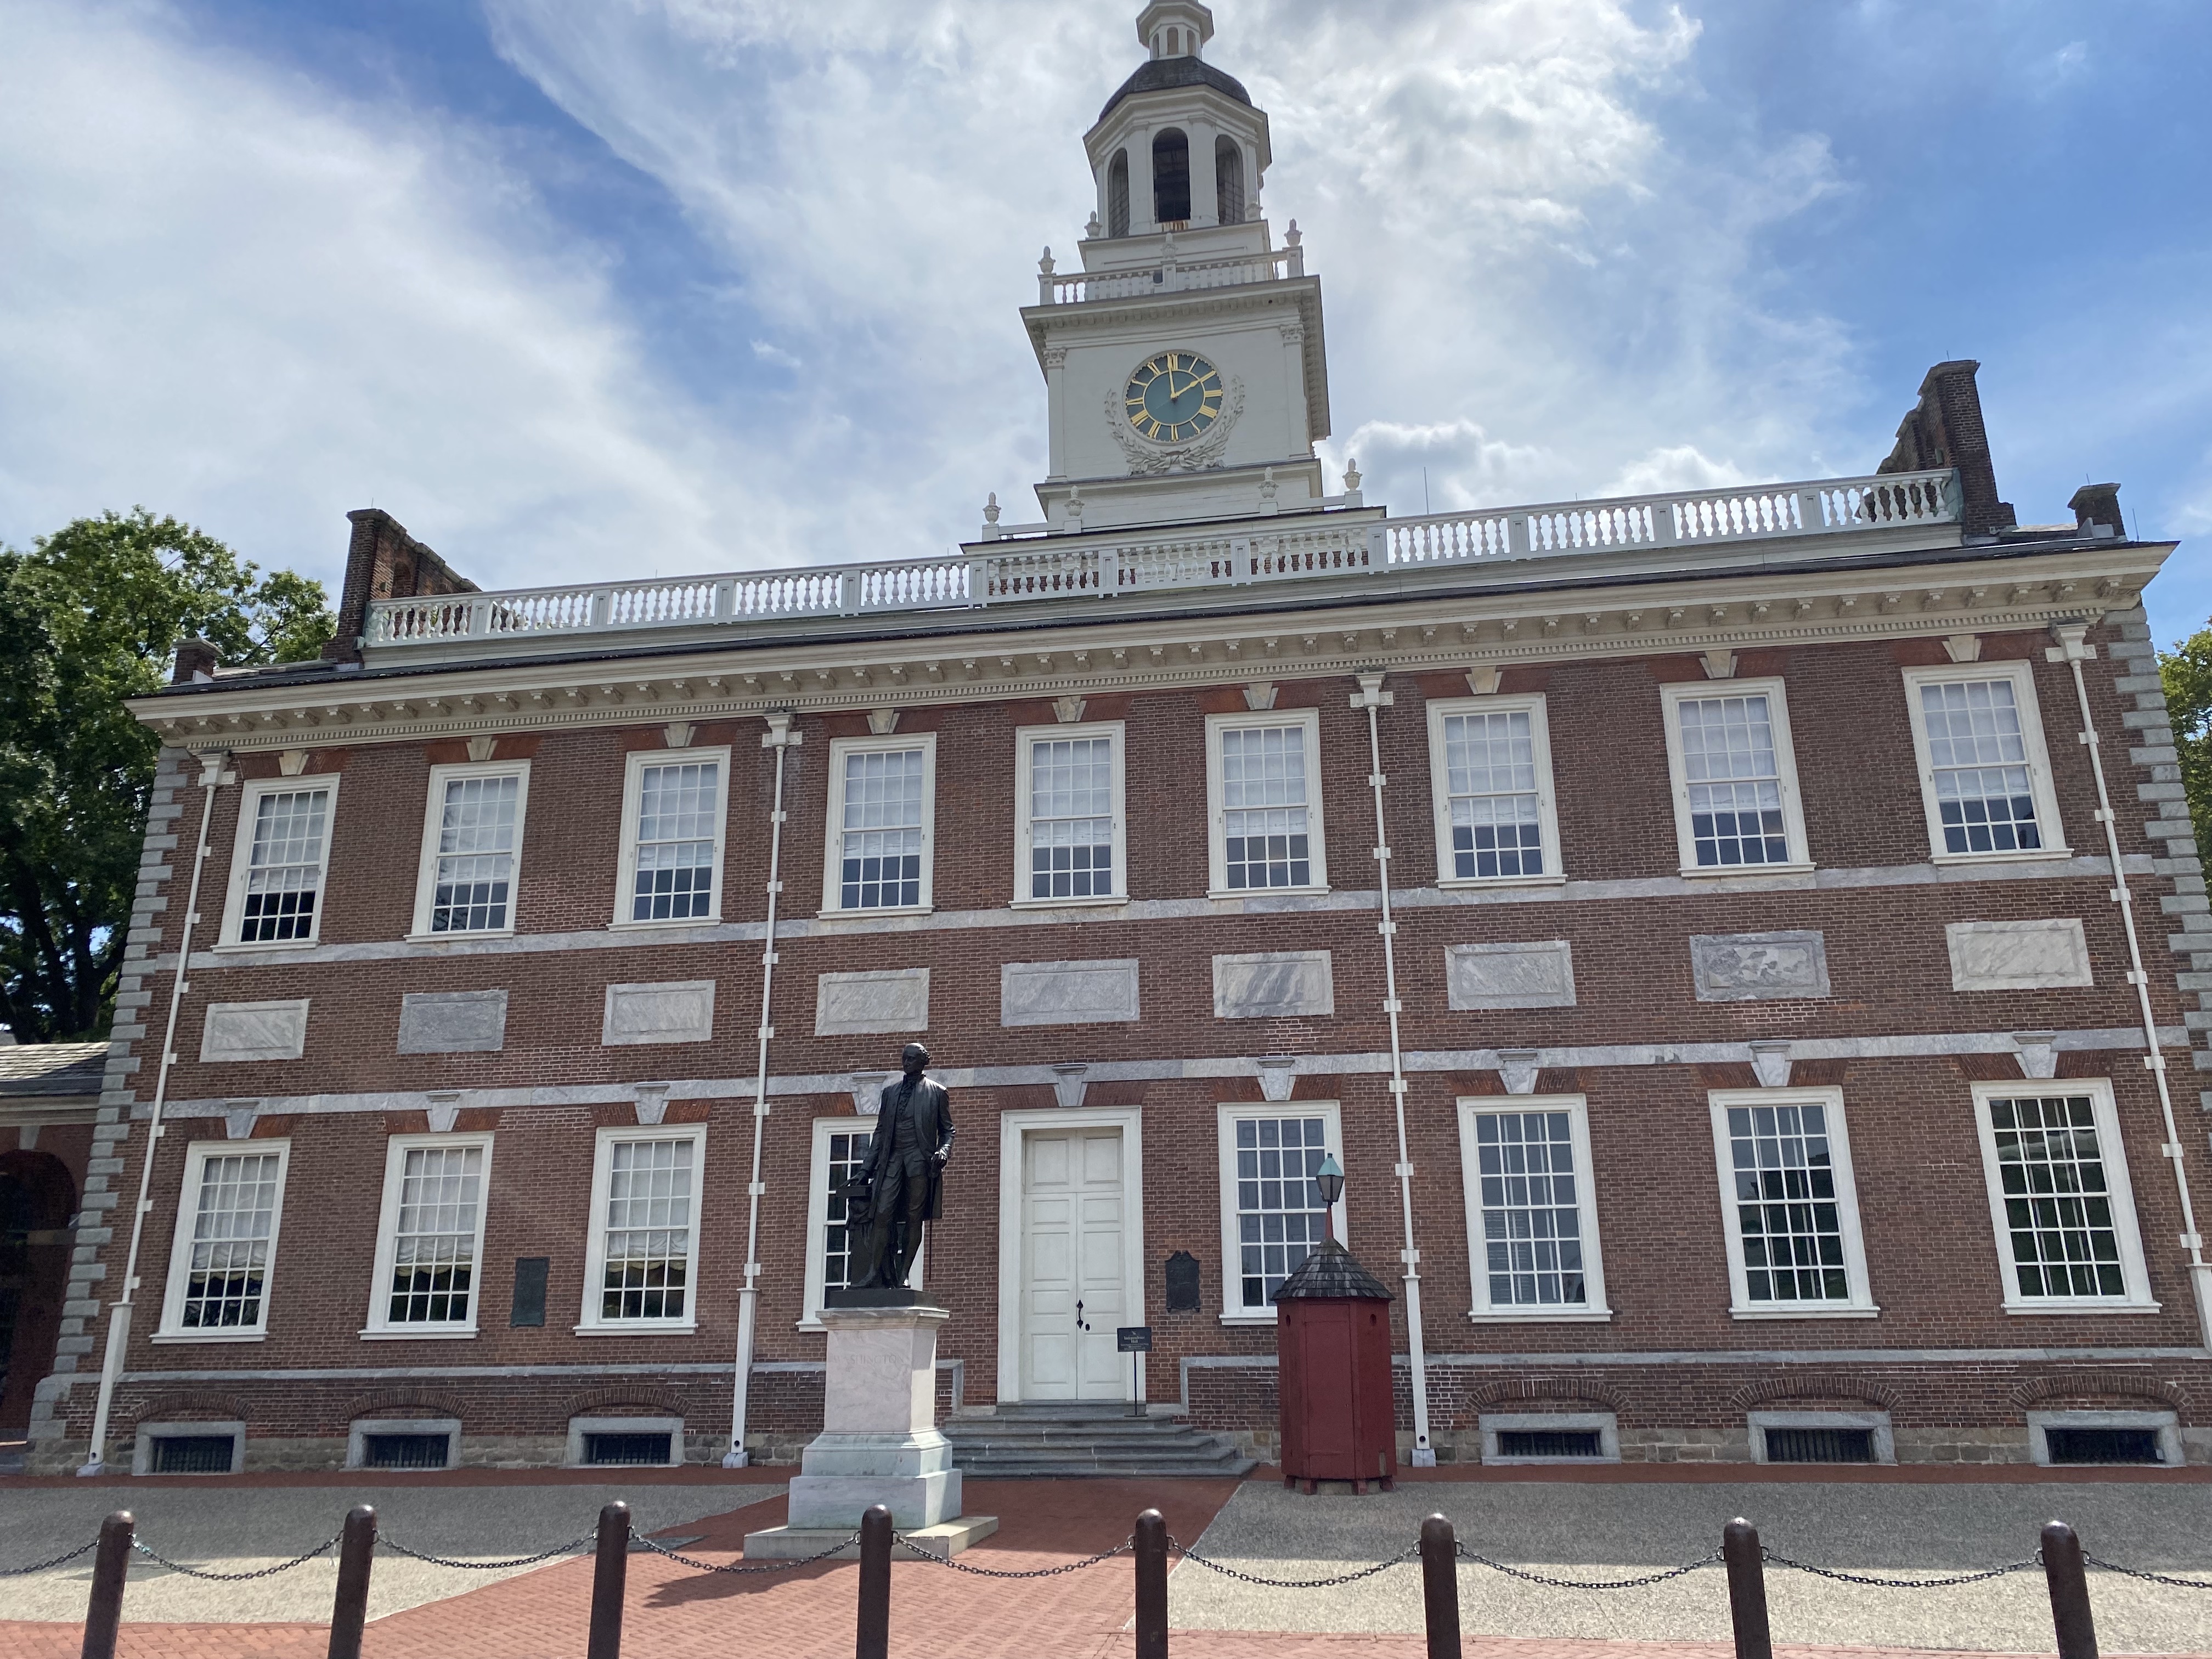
x: 781, y: 738
x: 2073, y: 649
x: 1372, y: 697
x: 212, y: 777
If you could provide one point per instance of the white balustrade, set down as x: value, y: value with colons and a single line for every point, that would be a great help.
x: 1169, y: 276
x: 1020, y: 568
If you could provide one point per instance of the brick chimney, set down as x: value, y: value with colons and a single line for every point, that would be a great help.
x: 196, y: 659
x: 383, y: 561
x: 1944, y: 429
x: 2097, y: 511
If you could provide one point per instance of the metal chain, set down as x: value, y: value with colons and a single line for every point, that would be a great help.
x: 1189, y: 1554
x: 1467, y: 1554
x: 995, y: 1573
x: 1781, y: 1560
x: 19, y: 1573
x: 743, y: 1566
x: 2154, y: 1578
x: 569, y: 1549
x: 147, y: 1551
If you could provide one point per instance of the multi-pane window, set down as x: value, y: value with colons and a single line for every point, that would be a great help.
x: 2058, y: 1197
x: 1490, y: 770
x: 678, y: 827
x: 1072, y: 802
x: 226, y: 1240
x: 1735, y: 779
x: 1791, y: 1215
x: 1265, y: 800
x: 284, y: 866
x: 1984, y: 772
x: 1531, y: 1205
x: 1279, y: 1214
x: 472, y: 841
x: 432, y: 1234
x: 881, y: 821
x: 644, y: 1240
x: 847, y: 1156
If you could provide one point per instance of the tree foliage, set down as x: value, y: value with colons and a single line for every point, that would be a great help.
x: 90, y: 615
x: 2187, y: 673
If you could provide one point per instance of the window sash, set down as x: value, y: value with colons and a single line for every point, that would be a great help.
x: 672, y: 853
x: 1072, y: 808
x: 1789, y: 1204
x: 641, y: 1269
x: 284, y: 868
x: 2059, y: 1196
x: 432, y: 1234
x: 1271, y: 1212
x: 1736, y: 804
x: 1530, y: 1192
x: 1977, y: 757
x: 230, y: 1207
x: 881, y: 803
x: 1490, y: 773
x: 1264, y: 801
x: 473, y: 836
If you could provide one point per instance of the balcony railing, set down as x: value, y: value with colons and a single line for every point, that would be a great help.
x: 1171, y: 276
x: 1247, y: 553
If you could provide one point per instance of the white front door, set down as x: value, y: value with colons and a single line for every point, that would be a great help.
x: 1072, y: 1296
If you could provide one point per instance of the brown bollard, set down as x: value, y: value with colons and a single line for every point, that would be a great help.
x: 1746, y: 1580
x: 356, y: 1555
x: 104, y: 1617
x: 2066, y: 1572
x: 872, y: 1639
x: 1152, y: 1541
x: 1440, y: 1587
x: 610, y: 1577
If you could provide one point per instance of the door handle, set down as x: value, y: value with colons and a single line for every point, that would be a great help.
x: 1080, y: 1325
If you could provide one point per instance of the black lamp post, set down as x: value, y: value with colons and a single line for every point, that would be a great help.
x: 1329, y: 1178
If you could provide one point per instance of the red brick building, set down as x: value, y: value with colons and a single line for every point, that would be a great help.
x: 1736, y: 944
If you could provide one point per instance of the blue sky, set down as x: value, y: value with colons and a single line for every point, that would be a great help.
x: 581, y: 288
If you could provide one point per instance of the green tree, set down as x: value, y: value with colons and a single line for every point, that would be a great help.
x: 90, y: 615
x: 2187, y: 673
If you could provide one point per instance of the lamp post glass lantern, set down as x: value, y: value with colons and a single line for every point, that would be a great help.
x: 1329, y: 1180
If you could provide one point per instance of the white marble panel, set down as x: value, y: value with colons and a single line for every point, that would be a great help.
x: 254, y: 1030
x: 1753, y: 967
x: 2018, y: 955
x: 879, y: 1000
x: 1067, y: 993
x: 453, y: 1022
x: 1273, y: 985
x: 678, y: 1011
x: 1538, y: 974
x: 882, y: 1372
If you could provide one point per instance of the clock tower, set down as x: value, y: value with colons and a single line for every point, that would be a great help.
x: 1183, y: 363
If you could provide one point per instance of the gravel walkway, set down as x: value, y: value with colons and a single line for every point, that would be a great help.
x: 234, y: 1529
x: 1618, y: 1531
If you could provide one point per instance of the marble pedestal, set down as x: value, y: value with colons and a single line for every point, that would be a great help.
x: 880, y: 1443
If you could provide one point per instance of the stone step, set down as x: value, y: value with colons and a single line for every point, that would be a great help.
x: 1066, y: 1439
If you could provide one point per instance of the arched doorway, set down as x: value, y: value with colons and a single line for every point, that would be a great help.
x: 37, y: 1199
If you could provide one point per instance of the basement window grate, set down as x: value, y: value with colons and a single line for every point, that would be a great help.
x: 626, y: 1448
x: 192, y: 1453
x: 2103, y: 1445
x: 404, y: 1451
x: 1550, y: 1443
x: 1820, y: 1445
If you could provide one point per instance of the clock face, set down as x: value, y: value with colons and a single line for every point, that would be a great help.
x: 1174, y: 397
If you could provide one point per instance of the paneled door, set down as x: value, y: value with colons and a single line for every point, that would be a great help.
x: 1072, y: 1295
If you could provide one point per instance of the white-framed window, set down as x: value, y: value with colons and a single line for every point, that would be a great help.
x: 1071, y: 837
x: 1272, y: 1215
x: 1985, y: 773
x: 675, y: 811
x: 430, y: 1236
x: 1263, y: 803
x: 882, y: 816
x: 1531, y: 1210
x: 1490, y: 778
x: 2059, y: 1197
x: 281, y: 863
x: 1788, y: 1204
x: 642, y: 1258
x: 225, y: 1247
x: 472, y: 848
x: 1736, y: 806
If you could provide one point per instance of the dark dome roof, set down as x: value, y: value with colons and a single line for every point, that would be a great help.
x: 1330, y: 1274
x: 1160, y: 73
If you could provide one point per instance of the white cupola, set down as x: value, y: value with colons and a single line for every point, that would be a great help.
x: 1175, y: 28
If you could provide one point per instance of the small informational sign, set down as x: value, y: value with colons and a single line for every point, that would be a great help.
x: 1133, y: 1338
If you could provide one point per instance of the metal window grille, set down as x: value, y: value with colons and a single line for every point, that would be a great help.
x: 1735, y: 781
x: 1531, y: 1209
x: 1490, y: 770
x: 193, y: 1453
x: 229, y: 1253
x: 1072, y: 817
x: 627, y: 1449
x: 1264, y: 791
x: 675, y: 876
x: 1983, y: 792
x: 1550, y: 1443
x: 1786, y: 1206
x: 434, y: 1236
x: 1280, y: 1214
x: 1820, y: 1445
x: 881, y: 854
x: 648, y: 1230
x: 1228, y: 181
x: 284, y: 870
x: 848, y: 1155
x: 404, y: 1451
x: 2104, y: 1446
x: 2059, y: 1208
x: 475, y: 854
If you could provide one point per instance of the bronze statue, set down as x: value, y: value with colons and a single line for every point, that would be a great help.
x: 903, y: 1183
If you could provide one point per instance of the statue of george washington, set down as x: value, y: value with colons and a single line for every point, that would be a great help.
x: 901, y: 1185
